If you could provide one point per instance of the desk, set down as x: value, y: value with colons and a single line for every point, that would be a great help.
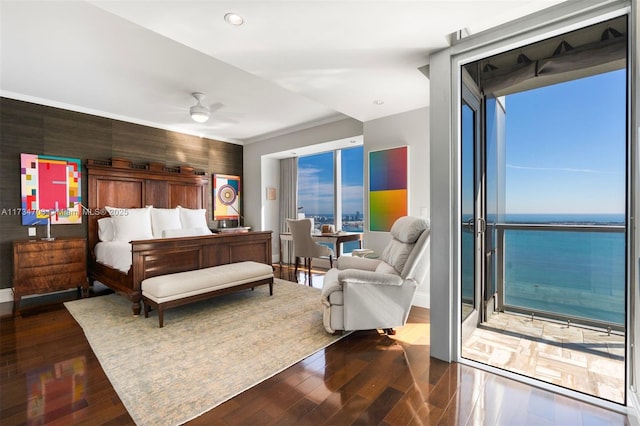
x: 336, y: 239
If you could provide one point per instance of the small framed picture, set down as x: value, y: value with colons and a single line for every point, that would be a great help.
x: 271, y: 193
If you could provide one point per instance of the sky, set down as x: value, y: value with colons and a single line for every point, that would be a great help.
x: 565, y: 149
x: 315, y: 182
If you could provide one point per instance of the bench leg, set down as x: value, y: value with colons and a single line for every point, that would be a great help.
x: 271, y: 289
x: 160, y: 316
x: 146, y: 309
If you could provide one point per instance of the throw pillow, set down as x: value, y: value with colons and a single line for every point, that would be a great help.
x: 193, y: 218
x: 131, y: 224
x: 162, y: 219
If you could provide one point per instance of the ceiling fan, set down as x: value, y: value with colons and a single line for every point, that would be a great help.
x: 199, y: 113
x: 203, y: 113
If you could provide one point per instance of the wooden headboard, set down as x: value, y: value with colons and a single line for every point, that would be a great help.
x: 122, y: 183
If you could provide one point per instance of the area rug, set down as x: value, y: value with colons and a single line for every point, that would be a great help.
x: 206, y: 352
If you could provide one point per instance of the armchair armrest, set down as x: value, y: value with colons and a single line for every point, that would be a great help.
x: 384, y: 303
x: 362, y: 263
x: 354, y: 276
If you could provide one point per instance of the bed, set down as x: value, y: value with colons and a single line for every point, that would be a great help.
x: 122, y: 184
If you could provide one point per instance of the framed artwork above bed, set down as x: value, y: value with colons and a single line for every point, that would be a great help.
x: 226, y: 197
x: 50, y: 186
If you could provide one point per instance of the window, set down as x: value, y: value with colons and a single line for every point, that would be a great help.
x: 352, y: 189
x: 316, y: 196
x: 330, y: 186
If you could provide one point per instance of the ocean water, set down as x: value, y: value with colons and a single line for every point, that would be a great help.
x: 580, y: 274
x: 563, y: 218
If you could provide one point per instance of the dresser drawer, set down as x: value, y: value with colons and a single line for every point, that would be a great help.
x: 52, y: 257
x: 44, y: 270
x: 40, y: 246
x: 53, y: 282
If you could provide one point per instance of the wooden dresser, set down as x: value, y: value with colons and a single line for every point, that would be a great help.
x: 45, y: 266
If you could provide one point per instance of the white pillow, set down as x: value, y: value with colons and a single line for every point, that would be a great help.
x: 185, y: 232
x: 193, y: 218
x: 106, y: 231
x: 131, y: 224
x: 162, y: 219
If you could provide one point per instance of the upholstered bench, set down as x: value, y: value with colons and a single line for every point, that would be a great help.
x: 168, y: 291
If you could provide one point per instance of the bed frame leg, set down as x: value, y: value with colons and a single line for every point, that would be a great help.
x: 136, y: 308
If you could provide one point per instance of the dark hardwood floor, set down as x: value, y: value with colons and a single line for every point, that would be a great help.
x: 366, y: 378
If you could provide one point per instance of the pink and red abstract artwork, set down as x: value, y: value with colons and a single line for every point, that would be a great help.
x: 50, y: 186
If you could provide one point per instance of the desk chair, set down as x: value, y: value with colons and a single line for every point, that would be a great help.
x: 304, y: 246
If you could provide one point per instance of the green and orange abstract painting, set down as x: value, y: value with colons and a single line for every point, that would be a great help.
x: 387, y: 187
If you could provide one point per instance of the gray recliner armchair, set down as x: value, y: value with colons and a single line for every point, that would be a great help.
x: 366, y: 294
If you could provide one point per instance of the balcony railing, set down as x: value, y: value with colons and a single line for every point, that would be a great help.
x: 565, y: 272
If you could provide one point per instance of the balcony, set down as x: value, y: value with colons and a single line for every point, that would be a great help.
x: 559, y: 297
x: 568, y: 272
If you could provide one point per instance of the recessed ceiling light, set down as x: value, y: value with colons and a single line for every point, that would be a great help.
x: 234, y: 19
x: 378, y: 102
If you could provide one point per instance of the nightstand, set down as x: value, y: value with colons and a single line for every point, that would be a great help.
x: 46, y: 266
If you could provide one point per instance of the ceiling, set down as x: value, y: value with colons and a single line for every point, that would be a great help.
x: 292, y: 64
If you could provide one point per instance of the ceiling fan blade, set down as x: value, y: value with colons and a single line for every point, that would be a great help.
x: 222, y: 119
x: 215, y: 106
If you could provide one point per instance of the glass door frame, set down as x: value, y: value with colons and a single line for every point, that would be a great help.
x: 472, y: 98
x: 462, y: 53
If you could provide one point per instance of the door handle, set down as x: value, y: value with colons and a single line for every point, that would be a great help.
x: 482, y: 225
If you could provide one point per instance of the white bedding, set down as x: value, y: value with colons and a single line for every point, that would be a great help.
x: 125, y: 225
x: 114, y: 254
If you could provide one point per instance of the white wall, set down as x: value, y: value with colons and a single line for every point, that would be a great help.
x: 270, y: 177
x: 410, y: 129
x: 444, y: 208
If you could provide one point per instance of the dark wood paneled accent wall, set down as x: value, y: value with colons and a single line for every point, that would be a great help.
x: 36, y: 129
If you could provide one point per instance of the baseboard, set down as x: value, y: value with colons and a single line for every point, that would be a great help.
x: 6, y: 295
x: 422, y: 300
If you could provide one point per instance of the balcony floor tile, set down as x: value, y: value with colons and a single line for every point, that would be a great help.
x: 585, y: 360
